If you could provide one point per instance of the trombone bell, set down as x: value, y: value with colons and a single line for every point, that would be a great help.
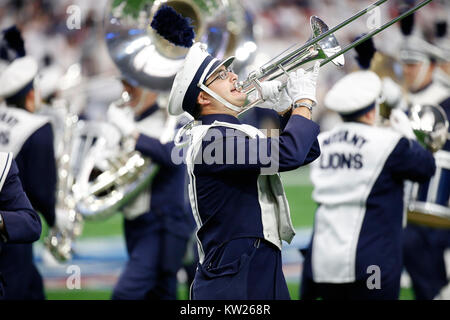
x: 329, y: 45
x: 296, y: 56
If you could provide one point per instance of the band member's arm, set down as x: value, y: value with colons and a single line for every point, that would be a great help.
x: 411, y: 161
x: 314, y: 152
x: 159, y: 152
x: 296, y: 146
x: 37, y: 158
x: 299, y: 146
x: 20, y: 223
x: 446, y: 106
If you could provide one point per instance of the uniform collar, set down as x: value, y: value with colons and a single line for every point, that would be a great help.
x: 210, y: 118
x: 147, y: 112
x: 423, y: 88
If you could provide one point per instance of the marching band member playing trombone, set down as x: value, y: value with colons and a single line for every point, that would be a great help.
x: 241, y: 210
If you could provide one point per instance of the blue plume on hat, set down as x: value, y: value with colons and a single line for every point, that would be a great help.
x: 12, y: 45
x: 173, y: 26
x: 407, y: 23
x: 365, y: 52
x: 441, y: 29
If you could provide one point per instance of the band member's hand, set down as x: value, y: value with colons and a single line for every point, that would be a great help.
x: 122, y: 119
x: 273, y: 97
x: 400, y: 123
x: 302, y: 84
x: 391, y: 92
x: 270, y: 92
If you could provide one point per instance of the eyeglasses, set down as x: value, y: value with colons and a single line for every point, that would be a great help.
x: 223, y: 74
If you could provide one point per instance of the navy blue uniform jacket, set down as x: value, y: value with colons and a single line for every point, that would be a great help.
x: 22, y: 225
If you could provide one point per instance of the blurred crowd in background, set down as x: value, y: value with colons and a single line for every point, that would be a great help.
x: 278, y: 24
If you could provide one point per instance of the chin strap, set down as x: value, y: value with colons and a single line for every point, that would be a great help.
x: 183, y: 136
x: 220, y: 99
x: 141, y: 104
x: 37, y: 94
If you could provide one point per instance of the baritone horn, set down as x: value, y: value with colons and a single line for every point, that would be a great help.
x: 112, y: 173
x: 322, y: 45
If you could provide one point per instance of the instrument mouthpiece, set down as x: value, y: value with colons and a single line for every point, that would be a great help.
x: 239, y: 85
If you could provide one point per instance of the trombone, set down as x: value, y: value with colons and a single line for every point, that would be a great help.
x: 321, y: 45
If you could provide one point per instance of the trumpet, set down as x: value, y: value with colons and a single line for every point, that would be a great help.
x: 322, y: 45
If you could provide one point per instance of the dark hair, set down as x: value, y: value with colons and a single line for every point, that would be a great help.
x: 354, y: 116
x: 349, y: 119
x: 18, y: 99
x: 196, y: 112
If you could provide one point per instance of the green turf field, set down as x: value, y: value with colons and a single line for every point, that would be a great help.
x: 298, y: 190
x: 405, y: 294
x: 302, y: 211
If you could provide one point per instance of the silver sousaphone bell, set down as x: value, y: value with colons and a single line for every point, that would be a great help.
x: 430, y: 125
x: 111, y: 175
x: 430, y: 202
x: 150, y: 60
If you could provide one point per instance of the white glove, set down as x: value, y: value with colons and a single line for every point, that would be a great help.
x: 391, y: 92
x: 122, y: 118
x: 274, y: 98
x: 63, y: 221
x: 401, y: 124
x: 302, y: 85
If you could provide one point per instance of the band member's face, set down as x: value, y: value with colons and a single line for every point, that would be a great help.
x: 30, y: 104
x: 225, y: 87
x: 134, y: 92
x: 445, y: 66
x: 411, y: 74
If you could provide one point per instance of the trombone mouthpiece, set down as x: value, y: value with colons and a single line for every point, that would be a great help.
x: 239, y: 85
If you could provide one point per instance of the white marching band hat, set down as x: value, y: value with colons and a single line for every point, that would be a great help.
x: 17, y: 75
x: 49, y: 80
x: 354, y: 94
x: 189, y: 81
x: 198, y: 64
x: 415, y: 49
x: 443, y: 39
